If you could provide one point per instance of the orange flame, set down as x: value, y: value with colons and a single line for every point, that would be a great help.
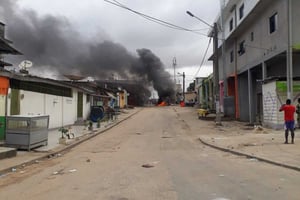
x: 162, y: 104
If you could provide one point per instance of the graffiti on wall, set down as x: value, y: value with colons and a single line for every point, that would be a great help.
x: 270, y: 106
x: 274, y: 95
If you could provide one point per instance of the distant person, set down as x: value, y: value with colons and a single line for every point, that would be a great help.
x: 289, y: 111
x: 298, y: 113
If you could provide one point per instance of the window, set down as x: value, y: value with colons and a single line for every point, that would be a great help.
x: 231, y: 24
x: 273, y: 23
x: 241, y: 11
x: 252, y: 36
x: 242, y: 48
x: 231, y: 56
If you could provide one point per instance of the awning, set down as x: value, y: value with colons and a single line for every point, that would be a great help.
x: 111, y: 95
x: 5, y: 48
x: 3, y: 64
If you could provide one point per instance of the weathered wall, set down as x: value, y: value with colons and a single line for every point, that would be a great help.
x: 61, y: 110
x: 274, y: 95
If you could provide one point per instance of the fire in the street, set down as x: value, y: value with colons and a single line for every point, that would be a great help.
x: 163, y: 103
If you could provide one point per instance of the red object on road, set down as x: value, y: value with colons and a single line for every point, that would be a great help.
x: 182, y: 104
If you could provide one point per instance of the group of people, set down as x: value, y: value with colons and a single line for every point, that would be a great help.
x: 289, y: 111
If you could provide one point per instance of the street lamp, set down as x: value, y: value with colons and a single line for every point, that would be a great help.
x: 215, y: 65
x: 183, y: 84
x: 192, y: 15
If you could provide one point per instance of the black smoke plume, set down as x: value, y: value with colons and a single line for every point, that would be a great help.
x: 51, y: 41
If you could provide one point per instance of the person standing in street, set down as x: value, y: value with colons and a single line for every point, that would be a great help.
x: 298, y: 113
x: 289, y: 111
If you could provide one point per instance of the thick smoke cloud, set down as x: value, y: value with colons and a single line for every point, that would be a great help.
x: 151, y: 66
x: 51, y: 41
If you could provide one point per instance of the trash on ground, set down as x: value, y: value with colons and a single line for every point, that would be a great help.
x: 253, y: 159
x: 72, y: 170
x: 58, y: 172
x: 259, y: 129
x: 2, y: 175
x: 250, y: 144
x: 147, y: 165
x: 13, y: 169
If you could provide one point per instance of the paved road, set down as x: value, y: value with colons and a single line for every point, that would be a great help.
x: 176, y: 166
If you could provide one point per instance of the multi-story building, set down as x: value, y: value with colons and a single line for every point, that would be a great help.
x: 259, y: 42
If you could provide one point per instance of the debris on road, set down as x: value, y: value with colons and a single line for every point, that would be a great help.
x: 147, y: 165
x: 72, y: 170
x: 260, y: 129
x: 253, y: 159
x: 59, y: 172
x: 150, y: 165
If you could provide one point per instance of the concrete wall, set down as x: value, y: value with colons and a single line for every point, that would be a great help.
x: 248, y: 7
x: 271, y: 105
x: 62, y: 110
x: 274, y: 95
x: 264, y: 45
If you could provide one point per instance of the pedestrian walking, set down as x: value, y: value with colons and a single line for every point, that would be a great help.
x: 289, y: 111
x: 298, y: 113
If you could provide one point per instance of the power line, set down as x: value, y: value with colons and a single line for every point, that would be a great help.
x: 153, y: 19
x: 202, y: 62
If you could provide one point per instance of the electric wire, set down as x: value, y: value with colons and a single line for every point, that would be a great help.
x: 203, y: 59
x: 155, y: 20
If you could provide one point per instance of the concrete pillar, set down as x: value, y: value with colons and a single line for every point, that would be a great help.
x: 250, y: 96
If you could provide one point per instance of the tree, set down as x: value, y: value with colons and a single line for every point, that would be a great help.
x: 191, y: 87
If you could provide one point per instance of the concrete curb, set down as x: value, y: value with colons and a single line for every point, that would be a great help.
x: 250, y: 156
x: 65, y: 148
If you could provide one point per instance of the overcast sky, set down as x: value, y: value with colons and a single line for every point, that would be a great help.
x: 100, y: 20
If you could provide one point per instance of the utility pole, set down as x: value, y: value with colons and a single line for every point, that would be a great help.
x: 290, y: 54
x: 183, y: 85
x: 183, y: 89
x: 215, y: 67
x: 174, y: 66
x: 216, y: 74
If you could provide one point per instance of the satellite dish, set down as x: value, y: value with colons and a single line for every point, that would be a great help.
x: 25, y: 64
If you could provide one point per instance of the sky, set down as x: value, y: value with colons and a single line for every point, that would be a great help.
x: 98, y: 20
